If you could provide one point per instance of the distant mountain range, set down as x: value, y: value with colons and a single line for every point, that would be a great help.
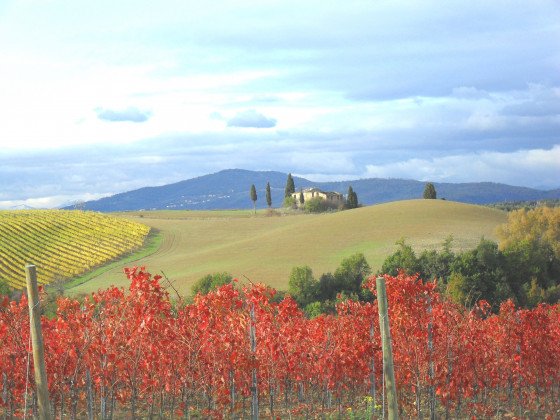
x: 229, y: 189
x: 22, y: 207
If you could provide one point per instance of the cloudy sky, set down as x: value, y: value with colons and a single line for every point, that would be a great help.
x: 100, y: 97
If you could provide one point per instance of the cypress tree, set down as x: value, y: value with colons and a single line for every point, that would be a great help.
x: 290, y: 187
x: 301, y: 197
x: 351, y: 198
x: 254, y: 197
x: 268, y: 196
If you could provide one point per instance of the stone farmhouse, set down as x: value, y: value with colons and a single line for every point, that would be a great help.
x: 333, y: 198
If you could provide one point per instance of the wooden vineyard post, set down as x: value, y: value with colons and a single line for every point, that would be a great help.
x: 254, y: 383
x: 372, y: 377
x: 387, y: 349
x: 37, y: 342
x: 432, y: 391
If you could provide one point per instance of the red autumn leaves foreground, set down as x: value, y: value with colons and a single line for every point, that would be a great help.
x: 135, y: 353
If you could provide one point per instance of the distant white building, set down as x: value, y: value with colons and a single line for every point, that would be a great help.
x: 333, y: 198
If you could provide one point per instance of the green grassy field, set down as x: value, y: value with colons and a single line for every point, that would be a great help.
x: 264, y: 249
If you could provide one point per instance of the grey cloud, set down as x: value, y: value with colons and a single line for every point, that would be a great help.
x: 535, y: 168
x: 369, y: 52
x: 131, y: 113
x: 470, y: 92
x: 251, y: 118
x: 541, y: 106
x: 532, y: 109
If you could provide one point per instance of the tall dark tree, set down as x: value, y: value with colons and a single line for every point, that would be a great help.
x: 268, y: 196
x: 254, y: 197
x: 351, y: 198
x: 301, y: 197
x: 429, y: 191
x: 290, y: 187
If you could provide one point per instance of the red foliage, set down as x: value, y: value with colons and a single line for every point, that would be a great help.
x: 147, y: 353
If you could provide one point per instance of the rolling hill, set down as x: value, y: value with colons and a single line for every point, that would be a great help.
x: 229, y: 189
x: 264, y: 249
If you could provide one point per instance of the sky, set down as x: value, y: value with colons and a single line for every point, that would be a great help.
x: 101, y: 97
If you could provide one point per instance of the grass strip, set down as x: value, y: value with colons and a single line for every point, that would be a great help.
x: 152, y: 244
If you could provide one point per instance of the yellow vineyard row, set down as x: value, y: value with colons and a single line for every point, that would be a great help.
x: 62, y: 243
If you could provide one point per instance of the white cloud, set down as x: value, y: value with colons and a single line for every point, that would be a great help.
x: 131, y: 114
x: 251, y: 119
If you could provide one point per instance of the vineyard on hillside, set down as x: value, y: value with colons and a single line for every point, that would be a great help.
x: 63, y: 243
x: 136, y: 354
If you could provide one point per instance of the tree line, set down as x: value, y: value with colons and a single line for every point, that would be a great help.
x: 527, y: 205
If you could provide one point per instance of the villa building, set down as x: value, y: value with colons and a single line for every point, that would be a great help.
x: 333, y: 198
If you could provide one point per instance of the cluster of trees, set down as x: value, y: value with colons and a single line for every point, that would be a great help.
x: 527, y: 205
x: 486, y: 272
x: 523, y: 267
x: 312, y: 295
x: 316, y: 297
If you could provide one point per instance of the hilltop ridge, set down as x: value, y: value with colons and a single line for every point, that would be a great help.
x: 229, y: 189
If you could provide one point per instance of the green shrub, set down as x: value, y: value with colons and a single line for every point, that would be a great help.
x: 316, y: 205
x: 4, y: 288
x: 289, y: 202
x: 209, y: 282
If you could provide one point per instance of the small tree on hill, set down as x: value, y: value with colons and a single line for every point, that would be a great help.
x: 301, y: 197
x: 429, y: 191
x: 254, y: 197
x: 290, y: 187
x: 268, y: 196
